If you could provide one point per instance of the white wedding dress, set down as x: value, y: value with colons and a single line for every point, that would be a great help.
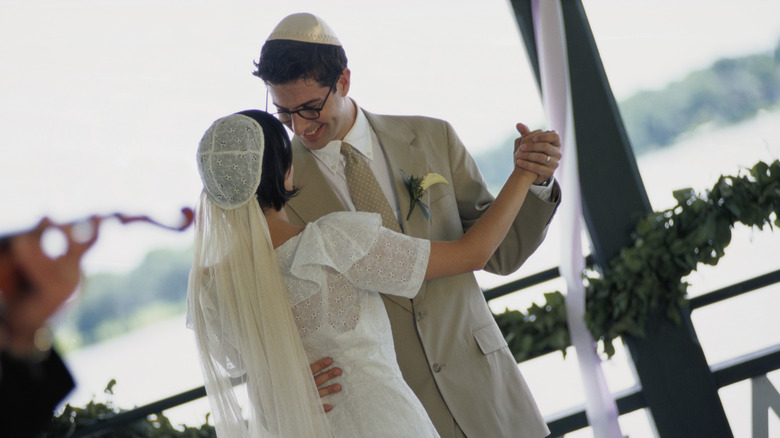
x: 333, y: 272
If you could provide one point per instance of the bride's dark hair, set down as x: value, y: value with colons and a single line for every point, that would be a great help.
x: 277, y: 160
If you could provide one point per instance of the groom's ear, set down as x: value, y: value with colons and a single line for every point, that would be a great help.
x: 344, y: 81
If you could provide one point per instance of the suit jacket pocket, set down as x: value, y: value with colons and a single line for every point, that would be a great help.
x: 489, y: 338
x: 436, y: 194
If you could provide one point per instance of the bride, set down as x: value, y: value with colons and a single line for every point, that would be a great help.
x: 267, y: 297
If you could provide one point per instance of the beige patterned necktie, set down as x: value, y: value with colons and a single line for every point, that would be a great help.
x: 364, y: 188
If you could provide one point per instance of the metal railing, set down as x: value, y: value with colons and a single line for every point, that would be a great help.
x: 732, y: 371
x: 736, y: 370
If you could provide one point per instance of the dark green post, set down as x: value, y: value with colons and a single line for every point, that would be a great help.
x: 676, y: 381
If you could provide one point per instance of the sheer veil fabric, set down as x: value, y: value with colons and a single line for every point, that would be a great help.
x: 237, y: 303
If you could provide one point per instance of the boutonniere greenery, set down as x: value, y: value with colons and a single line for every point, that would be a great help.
x: 417, y: 186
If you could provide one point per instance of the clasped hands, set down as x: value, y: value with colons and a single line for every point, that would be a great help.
x: 538, y: 152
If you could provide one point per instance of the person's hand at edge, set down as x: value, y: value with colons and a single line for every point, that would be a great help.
x: 40, y: 284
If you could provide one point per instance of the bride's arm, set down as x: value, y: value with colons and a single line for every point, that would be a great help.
x: 472, y: 251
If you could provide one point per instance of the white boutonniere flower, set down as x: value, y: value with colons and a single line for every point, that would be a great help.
x: 417, y: 186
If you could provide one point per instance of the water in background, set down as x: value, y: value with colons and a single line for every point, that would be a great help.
x: 161, y: 360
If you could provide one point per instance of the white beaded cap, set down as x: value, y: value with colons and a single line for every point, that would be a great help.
x: 306, y: 28
x: 230, y: 160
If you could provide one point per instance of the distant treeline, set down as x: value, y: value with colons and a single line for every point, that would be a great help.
x: 731, y: 90
x: 112, y: 304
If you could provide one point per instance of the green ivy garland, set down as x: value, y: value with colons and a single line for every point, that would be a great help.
x: 72, y: 419
x: 667, y: 246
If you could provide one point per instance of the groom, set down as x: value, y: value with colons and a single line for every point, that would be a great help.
x: 449, y: 348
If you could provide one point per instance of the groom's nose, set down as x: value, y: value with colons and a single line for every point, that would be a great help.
x: 299, y: 125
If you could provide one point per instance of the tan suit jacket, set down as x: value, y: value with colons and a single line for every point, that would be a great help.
x: 449, y: 347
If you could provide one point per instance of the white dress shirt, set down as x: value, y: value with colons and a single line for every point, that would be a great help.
x: 364, y: 140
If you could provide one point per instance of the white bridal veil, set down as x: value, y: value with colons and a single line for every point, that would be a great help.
x: 237, y: 304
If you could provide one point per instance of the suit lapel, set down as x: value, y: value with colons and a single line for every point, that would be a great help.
x: 402, y: 153
x: 397, y: 141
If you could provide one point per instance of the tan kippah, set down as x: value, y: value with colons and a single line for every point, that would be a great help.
x: 306, y: 28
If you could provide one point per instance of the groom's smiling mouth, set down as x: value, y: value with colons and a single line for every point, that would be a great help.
x: 312, y: 132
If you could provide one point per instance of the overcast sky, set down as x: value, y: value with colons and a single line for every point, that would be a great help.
x: 102, y: 103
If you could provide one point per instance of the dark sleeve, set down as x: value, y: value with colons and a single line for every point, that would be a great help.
x: 29, y: 393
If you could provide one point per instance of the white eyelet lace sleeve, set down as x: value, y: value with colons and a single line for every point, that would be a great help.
x: 356, y: 245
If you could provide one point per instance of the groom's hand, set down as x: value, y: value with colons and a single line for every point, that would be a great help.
x: 322, y: 375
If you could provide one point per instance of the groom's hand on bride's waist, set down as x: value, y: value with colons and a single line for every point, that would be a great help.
x: 323, y: 374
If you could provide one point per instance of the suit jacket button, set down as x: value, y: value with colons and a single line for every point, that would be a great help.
x: 436, y: 368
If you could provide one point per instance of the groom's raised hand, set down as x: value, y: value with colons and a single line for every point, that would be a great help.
x: 322, y: 375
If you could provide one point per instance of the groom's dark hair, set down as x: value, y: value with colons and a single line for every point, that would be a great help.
x: 284, y: 61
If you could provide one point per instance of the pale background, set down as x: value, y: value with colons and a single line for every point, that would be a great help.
x: 102, y: 104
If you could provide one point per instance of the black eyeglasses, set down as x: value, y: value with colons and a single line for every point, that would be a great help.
x: 285, y: 116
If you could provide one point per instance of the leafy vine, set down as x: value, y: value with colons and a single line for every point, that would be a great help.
x: 648, y: 275
x: 73, y: 420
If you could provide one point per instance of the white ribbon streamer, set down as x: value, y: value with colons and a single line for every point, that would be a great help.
x: 600, y: 406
